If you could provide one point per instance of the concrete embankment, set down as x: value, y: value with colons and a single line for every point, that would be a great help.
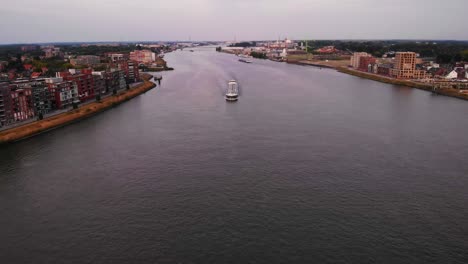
x: 32, y: 129
x: 423, y: 86
x: 384, y: 79
x: 332, y: 64
x: 310, y: 64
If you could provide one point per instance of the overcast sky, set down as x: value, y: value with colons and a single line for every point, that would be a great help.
x: 25, y: 21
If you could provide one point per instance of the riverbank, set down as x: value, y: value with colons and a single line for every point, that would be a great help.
x: 162, y: 66
x: 422, y: 86
x: 331, y: 64
x: 384, y: 79
x: 60, y: 120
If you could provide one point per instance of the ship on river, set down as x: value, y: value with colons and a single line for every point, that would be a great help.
x: 232, y: 93
x: 245, y: 60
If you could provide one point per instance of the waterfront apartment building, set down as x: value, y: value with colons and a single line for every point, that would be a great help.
x: 42, y: 98
x: 130, y: 68
x: 117, y: 78
x: 114, y: 80
x: 143, y: 56
x: 356, y: 58
x: 384, y: 69
x: 99, y: 84
x: 22, y: 104
x: 367, y: 63
x: 131, y: 71
x: 405, y: 67
x: 6, y: 110
x: 63, y: 93
x: 84, y: 82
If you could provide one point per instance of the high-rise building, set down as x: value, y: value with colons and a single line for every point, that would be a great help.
x: 84, y: 82
x: 355, y: 59
x: 42, y: 98
x: 63, y: 93
x: 130, y: 69
x: 405, y: 67
x: 99, y: 84
x: 22, y: 104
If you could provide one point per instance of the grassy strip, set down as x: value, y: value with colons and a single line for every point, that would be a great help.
x: 63, y: 119
x: 334, y: 64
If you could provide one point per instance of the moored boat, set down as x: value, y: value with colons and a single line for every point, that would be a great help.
x: 245, y: 60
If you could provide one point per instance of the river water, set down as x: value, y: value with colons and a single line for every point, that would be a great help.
x: 310, y: 166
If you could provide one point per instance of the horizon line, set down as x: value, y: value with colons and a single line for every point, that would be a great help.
x: 195, y: 41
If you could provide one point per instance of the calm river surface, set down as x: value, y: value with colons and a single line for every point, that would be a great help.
x: 310, y: 166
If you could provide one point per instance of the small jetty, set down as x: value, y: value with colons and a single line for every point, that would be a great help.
x: 158, y: 78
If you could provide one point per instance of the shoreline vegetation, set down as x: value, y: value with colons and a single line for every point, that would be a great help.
x: 83, y: 112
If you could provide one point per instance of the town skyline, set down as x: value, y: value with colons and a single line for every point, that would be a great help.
x: 224, y: 41
x: 208, y: 20
x: 233, y: 131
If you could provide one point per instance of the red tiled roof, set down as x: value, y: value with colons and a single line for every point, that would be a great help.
x: 35, y: 74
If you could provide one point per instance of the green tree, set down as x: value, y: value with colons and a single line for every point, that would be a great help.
x: 464, y: 55
x: 258, y: 55
x: 68, y: 65
x: 101, y: 67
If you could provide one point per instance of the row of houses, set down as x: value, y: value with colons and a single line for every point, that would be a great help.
x: 21, y: 100
x: 459, y: 71
x: 139, y: 56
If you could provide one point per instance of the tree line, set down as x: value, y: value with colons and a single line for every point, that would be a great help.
x: 441, y: 51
